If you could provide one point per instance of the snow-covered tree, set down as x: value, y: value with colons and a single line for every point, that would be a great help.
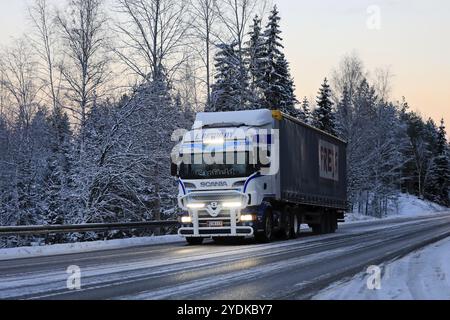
x: 57, y: 171
x: 83, y: 29
x: 230, y: 90
x: 440, y: 170
x: 304, y: 111
x: 348, y: 76
x: 387, y: 140
x: 344, y: 115
x: 256, y: 62
x: 323, y: 114
x: 278, y: 84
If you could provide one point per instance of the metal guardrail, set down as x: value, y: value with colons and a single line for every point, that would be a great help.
x: 90, y: 227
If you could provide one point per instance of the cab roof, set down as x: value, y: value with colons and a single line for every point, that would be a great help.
x: 248, y: 118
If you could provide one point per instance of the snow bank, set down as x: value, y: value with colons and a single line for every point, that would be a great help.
x: 409, y: 205
x: 79, y: 247
x: 422, y: 275
x: 406, y: 206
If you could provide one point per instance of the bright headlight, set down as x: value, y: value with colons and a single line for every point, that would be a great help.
x: 186, y: 219
x: 217, y: 141
x: 247, y: 217
x: 196, y: 205
x: 232, y: 204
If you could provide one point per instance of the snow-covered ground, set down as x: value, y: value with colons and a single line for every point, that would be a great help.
x: 406, y: 206
x: 422, y: 275
x: 78, y: 247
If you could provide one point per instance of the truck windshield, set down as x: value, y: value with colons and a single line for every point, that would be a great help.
x: 217, y: 170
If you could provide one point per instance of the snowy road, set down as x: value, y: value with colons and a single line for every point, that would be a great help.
x: 294, y: 269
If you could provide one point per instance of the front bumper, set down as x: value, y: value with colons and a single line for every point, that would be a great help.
x: 216, y: 232
x: 230, y: 217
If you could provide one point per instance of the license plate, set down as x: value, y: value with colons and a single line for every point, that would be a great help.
x: 215, y: 224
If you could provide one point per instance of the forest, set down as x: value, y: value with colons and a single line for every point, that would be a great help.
x: 91, y: 95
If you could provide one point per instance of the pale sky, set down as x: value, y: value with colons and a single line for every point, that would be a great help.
x: 413, y: 39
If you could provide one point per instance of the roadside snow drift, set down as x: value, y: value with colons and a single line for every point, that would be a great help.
x: 79, y: 247
x: 422, y: 275
x: 406, y: 206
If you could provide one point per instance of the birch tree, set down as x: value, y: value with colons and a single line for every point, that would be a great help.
x: 154, y: 34
x: 85, y: 71
x: 205, y: 18
x: 44, y: 42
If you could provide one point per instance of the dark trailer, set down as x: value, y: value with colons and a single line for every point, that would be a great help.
x: 313, y: 171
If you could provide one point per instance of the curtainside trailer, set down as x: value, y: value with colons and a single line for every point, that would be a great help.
x: 258, y: 173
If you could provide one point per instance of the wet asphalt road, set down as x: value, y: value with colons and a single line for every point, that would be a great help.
x: 295, y: 269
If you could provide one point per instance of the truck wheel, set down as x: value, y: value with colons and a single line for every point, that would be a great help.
x: 267, y: 234
x: 333, y: 222
x: 194, y: 241
x: 317, y: 228
x: 286, y: 230
x: 324, y: 226
x: 291, y: 224
x: 295, y: 230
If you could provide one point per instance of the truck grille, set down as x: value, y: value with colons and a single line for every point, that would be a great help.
x: 224, y: 216
x: 214, y: 198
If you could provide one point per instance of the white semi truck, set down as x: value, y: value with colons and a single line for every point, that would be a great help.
x: 258, y: 173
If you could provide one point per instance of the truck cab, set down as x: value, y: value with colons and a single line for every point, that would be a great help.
x: 224, y: 170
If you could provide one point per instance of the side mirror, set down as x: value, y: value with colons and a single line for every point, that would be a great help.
x: 173, y: 170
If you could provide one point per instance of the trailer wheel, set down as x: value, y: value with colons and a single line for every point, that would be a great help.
x: 295, y: 231
x: 324, y: 226
x: 194, y: 241
x: 333, y: 222
x: 267, y: 234
x: 287, y: 224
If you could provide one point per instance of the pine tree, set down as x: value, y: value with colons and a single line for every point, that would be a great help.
x: 278, y: 84
x: 441, y: 168
x: 343, y: 115
x: 286, y: 84
x: 323, y: 115
x: 303, y: 112
x: 229, y: 93
x: 56, y: 181
x: 255, y: 56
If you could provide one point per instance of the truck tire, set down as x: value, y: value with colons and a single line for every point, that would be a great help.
x: 291, y: 227
x: 194, y: 241
x: 333, y: 222
x: 266, y: 235
x: 324, y: 226
x: 295, y: 231
x: 286, y: 228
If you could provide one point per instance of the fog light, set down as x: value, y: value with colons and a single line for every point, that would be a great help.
x: 232, y: 204
x: 196, y: 205
x: 186, y: 219
x: 247, y: 217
